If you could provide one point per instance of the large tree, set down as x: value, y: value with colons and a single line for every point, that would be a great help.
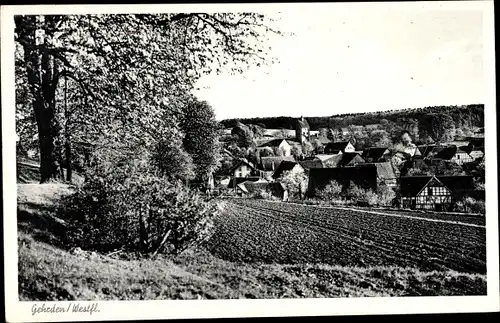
x: 201, y: 139
x: 131, y: 70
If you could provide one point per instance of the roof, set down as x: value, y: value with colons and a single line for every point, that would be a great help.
x: 384, y: 170
x: 238, y: 180
x: 343, y: 160
x: 253, y: 186
x: 464, y: 149
x: 375, y: 153
x: 445, y: 153
x: 364, y: 176
x: 324, y: 140
x: 284, y: 166
x: 311, y: 163
x: 302, y: 123
x: 324, y: 157
x: 477, y: 143
x: 267, y: 162
x: 270, y: 143
x: 240, y: 162
x: 340, y: 145
x: 242, y: 187
x: 412, y: 185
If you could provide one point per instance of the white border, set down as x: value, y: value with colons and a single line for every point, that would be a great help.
x: 131, y: 310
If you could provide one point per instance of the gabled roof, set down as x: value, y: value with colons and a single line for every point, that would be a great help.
x: 340, y: 145
x: 374, y: 153
x: 242, y: 162
x: 412, y: 185
x: 284, y: 166
x: 343, y: 160
x: 267, y: 162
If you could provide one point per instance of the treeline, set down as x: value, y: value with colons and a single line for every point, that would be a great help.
x: 463, y: 116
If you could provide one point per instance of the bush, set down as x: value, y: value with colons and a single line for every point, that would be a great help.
x: 386, y: 195
x: 123, y: 204
x: 331, y: 191
x: 371, y: 198
x: 262, y: 194
x: 471, y: 205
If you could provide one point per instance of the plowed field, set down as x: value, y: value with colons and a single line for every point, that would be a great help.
x: 257, y: 231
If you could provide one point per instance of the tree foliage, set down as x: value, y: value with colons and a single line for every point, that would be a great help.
x: 131, y: 72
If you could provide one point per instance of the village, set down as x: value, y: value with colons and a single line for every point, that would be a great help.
x: 398, y: 168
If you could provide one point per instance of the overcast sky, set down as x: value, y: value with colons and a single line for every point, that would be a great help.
x: 358, y: 60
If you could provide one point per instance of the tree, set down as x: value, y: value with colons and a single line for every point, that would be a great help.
x: 114, y: 60
x: 296, y: 152
x: 296, y: 182
x: 379, y: 138
x: 266, y: 152
x: 307, y: 148
x: 243, y: 134
x: 201, y: 137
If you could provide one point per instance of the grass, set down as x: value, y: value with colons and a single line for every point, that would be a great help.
x: 49, y: 271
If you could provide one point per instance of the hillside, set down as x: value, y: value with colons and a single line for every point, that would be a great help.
x: 467, y: 115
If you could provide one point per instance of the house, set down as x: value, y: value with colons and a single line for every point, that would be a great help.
x: 344, y: 131
x: 363, y: 176
x: 434, y: 192
x: 462, y: 155
x: 284, y: 166
x: 335, y: 147
x: 270, y: 163
x: 477, y: 148
x: 313, y: 133
x: 375, y: 154
x: 278, y: 190
x: 385, y: 173
x: 302, y: 130
x: 279, y: 146
x: 344, y: 160
x: 244, y: 169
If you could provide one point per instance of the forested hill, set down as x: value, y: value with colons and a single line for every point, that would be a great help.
x: 462, y: 116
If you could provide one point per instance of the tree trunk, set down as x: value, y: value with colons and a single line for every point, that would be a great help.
x: 67, y: 135
x: 143, y: 233
x: 41, y: 70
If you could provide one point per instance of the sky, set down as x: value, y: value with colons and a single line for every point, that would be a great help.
x: 358, y: 59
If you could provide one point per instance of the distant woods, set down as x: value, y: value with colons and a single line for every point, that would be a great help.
x: 436, y: 123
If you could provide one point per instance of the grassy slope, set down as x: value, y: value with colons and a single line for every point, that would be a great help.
x: 49, y: 272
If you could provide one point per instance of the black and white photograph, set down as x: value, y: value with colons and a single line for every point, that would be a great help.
x: 312, y: 153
